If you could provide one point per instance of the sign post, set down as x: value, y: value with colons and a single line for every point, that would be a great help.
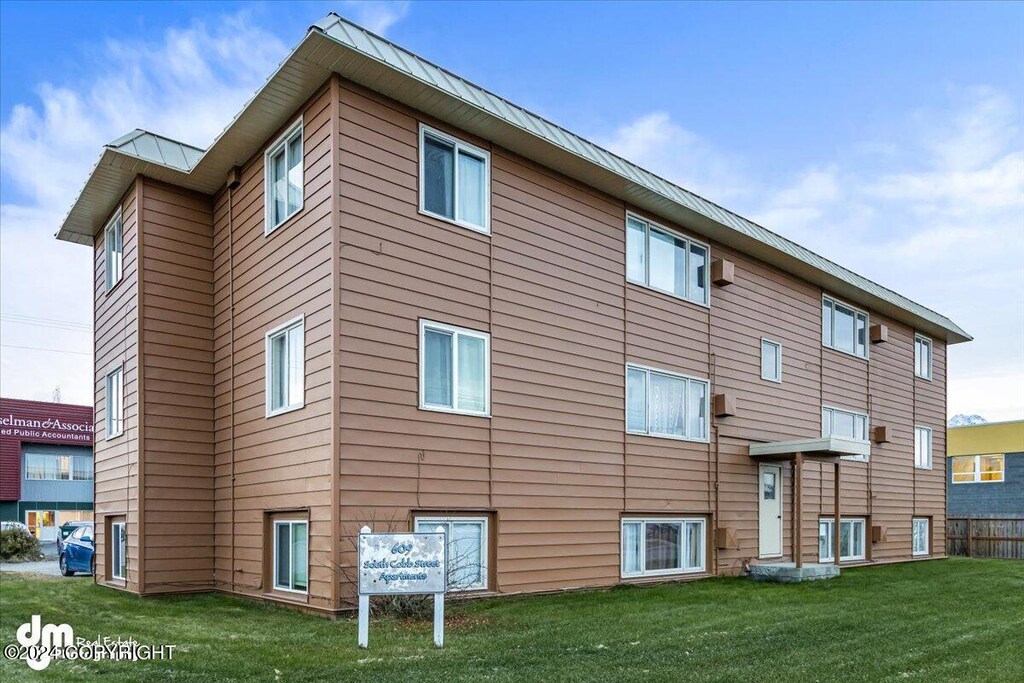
x: 402, y: 564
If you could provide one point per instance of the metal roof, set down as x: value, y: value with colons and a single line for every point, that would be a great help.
x: 158, y: 149
x: 339, y: 46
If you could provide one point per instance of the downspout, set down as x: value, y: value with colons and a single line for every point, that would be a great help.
x: 234, y: 179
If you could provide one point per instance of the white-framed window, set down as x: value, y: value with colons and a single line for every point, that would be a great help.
x: 844, y: 328
x: 53, y: 467
x: 466, y: 539
x: 921, y: 536
x: 286, y: 367
x: 291, y: 555
x: 283, y: 169
x: 923, y: 448
x: 771, y: 360
x: 664, y: 260
x: 455, y: 369
x: 851, y: 539
x: 972, y: 469
x: 846, y: 424
x: 115, y: 402
x: 922, y: 356
x: 118, y: 545
x: 666, y: 404
x: 656, y: 546
x: 113, y: 249
x: 455, y: 180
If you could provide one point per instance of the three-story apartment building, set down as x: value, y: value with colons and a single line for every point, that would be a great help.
x: 386, y: 296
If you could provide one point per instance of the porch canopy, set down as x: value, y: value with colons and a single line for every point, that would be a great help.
x: 826, y: 449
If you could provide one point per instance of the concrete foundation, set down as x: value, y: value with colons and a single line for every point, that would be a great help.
x: 787, y: 572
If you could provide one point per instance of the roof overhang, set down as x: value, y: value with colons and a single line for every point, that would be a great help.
x: 335, y: 45
x: 829, y: 447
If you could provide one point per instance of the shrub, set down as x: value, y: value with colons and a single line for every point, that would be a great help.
x: 18, y: 545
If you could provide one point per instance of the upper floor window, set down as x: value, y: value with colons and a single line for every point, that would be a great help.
x: 968, y: 469
x: 114, y: 406
x: 113, y: 248
x: 283, y: 164
x: 51, y: 467
x: 660, y: 403
x: 845, y: 424
x: 923, y: 448
x: 844, y: 328
x: 771, y: 360
x: 666, y: 261
x: 455, y: 369
x: 922, y: 356
x: 454, y: 180
x: 286, y: 367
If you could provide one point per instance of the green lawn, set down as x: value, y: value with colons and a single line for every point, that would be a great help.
x: 948, y: 620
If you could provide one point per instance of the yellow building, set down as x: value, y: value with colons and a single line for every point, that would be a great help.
x: 986, y: 472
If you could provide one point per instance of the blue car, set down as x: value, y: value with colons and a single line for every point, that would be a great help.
x: 76, y: 552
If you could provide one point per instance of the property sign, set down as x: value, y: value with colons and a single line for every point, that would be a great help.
x: 402, y: 564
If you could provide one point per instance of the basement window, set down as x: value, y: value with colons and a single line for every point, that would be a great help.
x: 283, y: 170
x: 454, y: 180
x: 921, y: 536
x: 291, y: 555
x: 466, y: 539
x: 657, y: 546
x: 851, y: 539
x: 118, y: 546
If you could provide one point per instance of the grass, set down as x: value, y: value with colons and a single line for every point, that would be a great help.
x: 957, y: 619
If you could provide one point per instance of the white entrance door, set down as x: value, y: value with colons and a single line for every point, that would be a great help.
x: 42, y: 524
x: 770, y: 509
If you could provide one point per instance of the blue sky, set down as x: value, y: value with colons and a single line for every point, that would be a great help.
x: 887, y: 137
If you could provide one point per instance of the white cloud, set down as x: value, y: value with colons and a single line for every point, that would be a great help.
x: 188, y: 85
x: 936, y: 214
x: 377, y: 17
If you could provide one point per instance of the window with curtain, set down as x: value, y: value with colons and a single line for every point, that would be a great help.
x: 845, y: 424
x: 652, y: 547
x: 53, y: 467
x: 114, y: 405
x: 660, y: 403
x: 922, y: 356
x: 466, y: 539
x: 291, y: 555
x: 284, y: 183
x: 851, y: 539
x: 969, y: 469
x: 666, y: 261
x: 455, y: 369
x: 844, y: 328
x: 921, y: 540
x: 285, y: 367
x: 113, y: 249
x: 923, y: 448
x: 454, y: 180
x: 771, y: 360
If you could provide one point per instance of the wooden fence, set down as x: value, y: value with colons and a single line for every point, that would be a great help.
x: 986, y: 537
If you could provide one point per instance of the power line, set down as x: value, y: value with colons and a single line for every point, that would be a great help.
x: 45, y: 322
x: 40, y: 348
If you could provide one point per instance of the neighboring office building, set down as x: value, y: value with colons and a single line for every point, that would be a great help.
x: 385, y: 296
x: 986, y: 470
x: 46, y: 464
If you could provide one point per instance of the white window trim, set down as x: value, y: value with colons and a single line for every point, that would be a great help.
x: 927, y: 537
x: 679, y: 375
x: 977, y: 469
x: 867, y: 429
x: 268, y: 225
x: 706, y: 303
x: 643, y: 573
x: 110, y: 434
x: 831, y: 535
x: 452, y: 329
x: 71, y: 466
x: 778, y: 360
x: 867, y: 328
x: 300, y: 322
x: 931, y: 460
x: 472, y: 150
x: 291, y: 536
x: 431, y: 521
x: 116, y: 538
x: 111, y: 281
x: 931, y: 355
